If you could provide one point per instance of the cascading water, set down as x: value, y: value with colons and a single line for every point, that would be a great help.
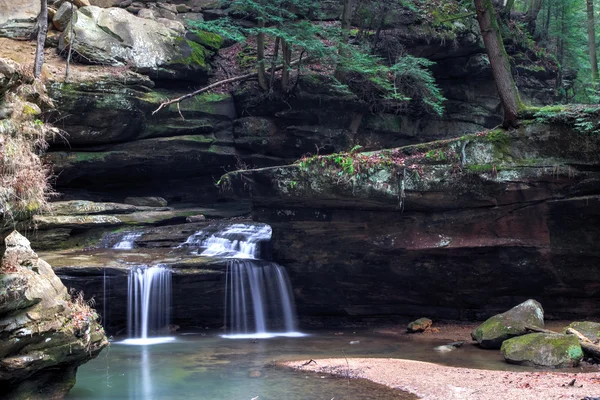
x: 234, y: 241
x: 258, y: 295
x: 127, y: 242
x: 149, y: 304
x: 258, y: 300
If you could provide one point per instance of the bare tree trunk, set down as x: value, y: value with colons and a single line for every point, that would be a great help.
x: 72, y: 40
x: 260, y: 55
x: 273, y: 62
x: 532, y: 13
x: 346, y: 17
x: 507, y: 89
x: 286, y: 51
x: 508, y: 8
x: 41, y: 39
x: 592, y: 40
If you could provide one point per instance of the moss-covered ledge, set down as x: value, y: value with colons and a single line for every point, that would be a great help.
x: 539, y: 161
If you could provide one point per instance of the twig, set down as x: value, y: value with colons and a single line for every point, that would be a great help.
x: 214, y: 85
x: 347, y: 367
x: 308, y: 362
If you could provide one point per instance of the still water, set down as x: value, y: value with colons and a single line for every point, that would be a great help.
x: 207, y: 366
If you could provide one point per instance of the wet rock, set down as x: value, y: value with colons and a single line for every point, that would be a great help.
x: 543, y: 350
x: 513, y: 322
x: 590, y: 330
x: 112, y: 36
x: 448, y: 347
x: 419, y: 325
x: 85, y: 207
x: 45, y: 335
x: 195, y: 218
x: 146, y: 201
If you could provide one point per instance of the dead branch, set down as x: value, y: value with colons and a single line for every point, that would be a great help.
x: 219, y: 83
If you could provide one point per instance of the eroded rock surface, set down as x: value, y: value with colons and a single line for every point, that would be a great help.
x: 463, y: 228
x: 45, y: 334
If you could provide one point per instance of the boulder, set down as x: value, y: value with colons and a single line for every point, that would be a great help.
x: 146, y: 201
x: 543, y: 350
x: 590, y: 330
x: 17, y: 18
x: 113, y: 36
x: 419, y: 325
x: 45, y: 334
x: 63, y: 16
x: 513, y: 322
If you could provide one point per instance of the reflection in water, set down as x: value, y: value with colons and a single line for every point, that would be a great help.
x: 212, y: 368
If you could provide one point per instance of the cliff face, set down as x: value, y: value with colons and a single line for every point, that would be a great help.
x: 114, y: 146
x: 45, y: 334
x: 456, y: 228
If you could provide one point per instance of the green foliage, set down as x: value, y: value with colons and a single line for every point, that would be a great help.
x: 373, y: 79
x: 584, y: 119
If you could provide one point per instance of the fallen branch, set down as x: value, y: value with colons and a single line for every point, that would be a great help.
x: 587, y: 345
x: 214, y: 85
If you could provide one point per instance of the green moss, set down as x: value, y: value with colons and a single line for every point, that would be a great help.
x: 209, y: 39
x: 30, y: 110
x: 197, y: 54
x: 90, y: 156
x: 212, y: 97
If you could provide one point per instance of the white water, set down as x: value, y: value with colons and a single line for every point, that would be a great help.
x: 235, y: 241
x: 127, y: 241
x: 258, y: 301
x: 149, y: 303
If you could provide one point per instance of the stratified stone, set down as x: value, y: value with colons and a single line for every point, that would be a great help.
x: 45, y: 334
x: 113, y: 36
x: 146, y: 201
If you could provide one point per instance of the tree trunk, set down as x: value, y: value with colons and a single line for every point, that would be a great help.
x: 260, y: 55
x: 72, y: 35
x: 592, y: 40
x: 273, y: 62
x: 508, y: 8
x: 509, y: 95
x: 42, y: 22
x: 286, y: 52
x: 532, y: 13
x: 346, y: 17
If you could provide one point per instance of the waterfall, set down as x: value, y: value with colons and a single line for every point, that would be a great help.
x: 149, y: 303
x: 235, y: 241
x: 258, y: 294
x: 127, y: 241
x: 258, y: 300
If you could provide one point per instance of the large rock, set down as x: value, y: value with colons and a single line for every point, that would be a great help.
x: 45, y: 334
x: 112, y: 36
x: 63, y: 16
x: 543, y: 350
x: 589, y: 329
x: 514, y: 322
x: 17, y: 18
x: 460, y: 228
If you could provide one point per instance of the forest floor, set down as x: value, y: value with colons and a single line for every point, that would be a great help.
x: 437, y: 382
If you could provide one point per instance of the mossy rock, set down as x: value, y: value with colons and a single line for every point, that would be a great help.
x: 207, y: 39
x: 543, y: 350
x: 419, y: 325
x: 511, y: 323
x: 590, y: 330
